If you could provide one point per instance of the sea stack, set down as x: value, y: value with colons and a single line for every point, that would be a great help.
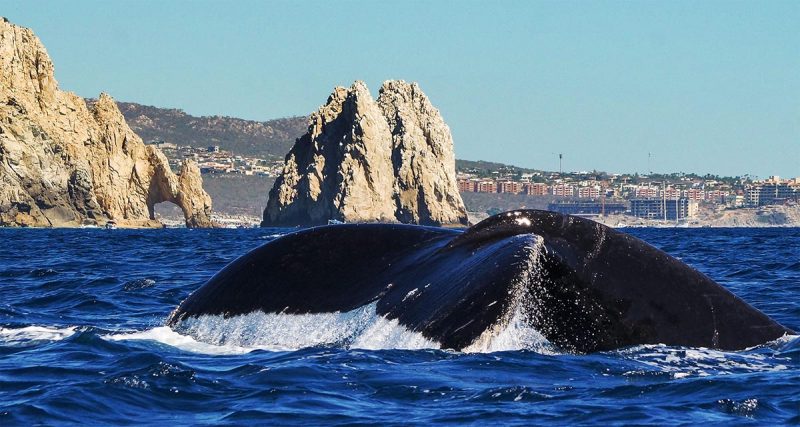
x: 363, y: 160
x: 64, y: 163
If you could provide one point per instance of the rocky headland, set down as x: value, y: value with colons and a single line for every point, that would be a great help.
x: 367, y: 160
x: 65, y: 163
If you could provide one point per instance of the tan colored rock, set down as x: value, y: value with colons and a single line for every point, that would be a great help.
x: 340, y: 169
x: 367, y: 161
x: 426, y: 190
x: 63, y: 163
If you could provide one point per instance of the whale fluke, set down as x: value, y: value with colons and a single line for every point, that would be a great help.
x: 584, y: 286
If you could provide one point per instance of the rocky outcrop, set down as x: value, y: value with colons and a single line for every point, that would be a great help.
x: 362, y: 160
x: 63, y: 163
x: 426, y: 190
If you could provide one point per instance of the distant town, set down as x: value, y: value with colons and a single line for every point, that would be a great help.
x: 671, y: 197
x: 658, y: 197
x: 213, y: 160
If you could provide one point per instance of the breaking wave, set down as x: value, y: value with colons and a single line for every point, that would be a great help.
x: 683, y: 362
x: 32, y: 335
x: 361, y: 328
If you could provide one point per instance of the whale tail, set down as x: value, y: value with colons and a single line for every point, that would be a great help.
x: 585, y: 287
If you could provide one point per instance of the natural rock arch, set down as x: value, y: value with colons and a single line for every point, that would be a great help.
x: 184, y: 191
x: 65, y: 163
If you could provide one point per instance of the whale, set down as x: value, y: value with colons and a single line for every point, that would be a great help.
x: 583, y: 286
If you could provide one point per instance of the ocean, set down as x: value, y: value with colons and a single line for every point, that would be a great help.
x: 83, y: 341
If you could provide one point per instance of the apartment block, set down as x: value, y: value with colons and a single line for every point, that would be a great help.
x: 512, y: 187
x: 657, y: 208
x: 467, y: 185
x: 536, y: 189
x: 772, y: 192
x: 487, y: 187
x: 587, y: 208
x: 563, y: 190
x: 694, y: 194
x: 589, y: 192
x: 643, y: 192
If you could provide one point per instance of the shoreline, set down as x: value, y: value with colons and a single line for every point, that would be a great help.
x: 611, y: 222
x: 782, y: 216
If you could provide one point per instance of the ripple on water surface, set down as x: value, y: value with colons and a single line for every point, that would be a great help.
x: 82, y: 341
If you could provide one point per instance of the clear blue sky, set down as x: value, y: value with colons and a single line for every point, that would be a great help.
x: 705, y: 86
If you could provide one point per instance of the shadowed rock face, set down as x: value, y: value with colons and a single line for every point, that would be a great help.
x: 363, y: 160
x: 63, y: 163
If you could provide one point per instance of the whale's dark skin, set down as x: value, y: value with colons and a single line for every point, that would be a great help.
x: 584, y: 286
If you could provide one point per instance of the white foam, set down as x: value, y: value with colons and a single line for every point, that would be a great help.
x: 385, y: 334
x: 33, y: 334
x: 165, y: 335
x: 517, y: 334
x: 701, y: 362
x: 359, y: 328
x: 271, y: 236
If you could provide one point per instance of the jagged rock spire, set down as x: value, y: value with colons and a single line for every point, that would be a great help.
x: 363, y: 160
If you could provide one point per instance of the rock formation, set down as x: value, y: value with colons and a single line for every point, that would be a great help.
x: 362, y: 160
x: 63, y: 163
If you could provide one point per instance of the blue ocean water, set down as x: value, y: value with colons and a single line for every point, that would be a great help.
x: 82, y: 341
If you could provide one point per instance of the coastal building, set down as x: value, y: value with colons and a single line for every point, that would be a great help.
x: 563, y: 190
x: 663, y: 209
x: 467, y: 185
x: 672, y: 193
x: 536, y: 189
x: 694, y: 194
x: 487, y: 187
x: 511, y: 187
x: 589, y: 192
x: 214, y: 167
x: 646, y: 192
x: 770, y: 192
x: 716, y: 196
x: 587, y: 209
x: 735, y: 201
x: 161, y: 145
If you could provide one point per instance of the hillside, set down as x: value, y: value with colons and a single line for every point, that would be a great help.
x: 269, y: 139
x: 272, y: 139
x: 483, y: 168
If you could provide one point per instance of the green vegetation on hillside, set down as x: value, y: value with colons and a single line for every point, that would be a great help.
x: 269, y: 139
x: 484, y: 169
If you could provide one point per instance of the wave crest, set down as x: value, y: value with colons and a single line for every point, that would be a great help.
x: 32, y: 335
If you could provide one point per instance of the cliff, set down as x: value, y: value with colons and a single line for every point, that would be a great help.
x: 363, y: 160
x: 64, y: 164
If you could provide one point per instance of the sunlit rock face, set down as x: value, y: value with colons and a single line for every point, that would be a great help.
x: 65, y: 163
x: 363, y: 160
